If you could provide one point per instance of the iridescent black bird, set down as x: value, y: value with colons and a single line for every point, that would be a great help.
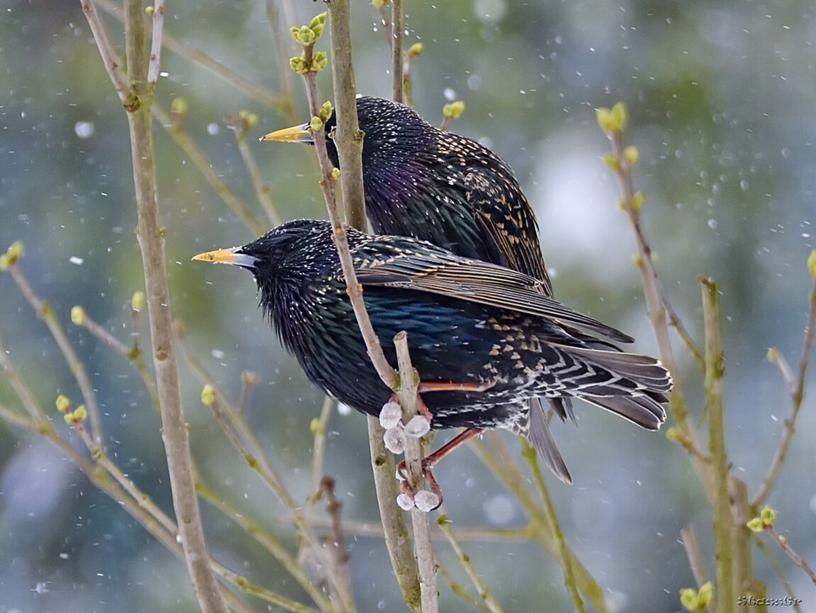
x: 446, y: 189
x: 488, y: 329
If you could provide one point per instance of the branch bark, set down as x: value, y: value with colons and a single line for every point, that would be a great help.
x: 723, y: 520
x: 151, y: 243
x: 397, y: 58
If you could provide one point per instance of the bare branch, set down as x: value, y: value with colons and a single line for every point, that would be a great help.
x: 413, y: 457
x: 151, y: 243
x: 175, y: 128
x: 797, y: 395
x: 695, y: 555
x: 723, y: 520
x: 156, y: 44
x: 490, y: 602
x: 397, y: 58
x: 319, y: 426
x: 77, y: 367
x: 109, y: 59
x: 795, y: 557
x: 198, y: 57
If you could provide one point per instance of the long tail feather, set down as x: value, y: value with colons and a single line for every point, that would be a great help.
x: 542, y: 439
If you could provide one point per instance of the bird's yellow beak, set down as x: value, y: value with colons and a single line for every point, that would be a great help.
x: 227, y: 256
x: 219, y: 256
x: 295, y: 134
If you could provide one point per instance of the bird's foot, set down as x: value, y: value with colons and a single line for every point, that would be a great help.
x: 424, y: 500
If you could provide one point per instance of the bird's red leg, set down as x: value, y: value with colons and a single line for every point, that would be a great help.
x: 430, y: 461
x: 443, y: 386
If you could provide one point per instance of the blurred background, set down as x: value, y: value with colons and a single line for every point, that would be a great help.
x: 721, y: 97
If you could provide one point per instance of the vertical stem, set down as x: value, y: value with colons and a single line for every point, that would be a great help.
x: 529, y: 453
x: 151, y: 243
x: 413, y: 457
x: 397, y: 60
x: 723, y: 521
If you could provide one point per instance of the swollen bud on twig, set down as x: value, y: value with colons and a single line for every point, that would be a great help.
x: 378, y: 4
x: 12, y: 254
x: 179, y: 107
x: 766, y: 519
x: 415, y: 50
x: 149, y: 10
x: 137, y: 301
x: 316, y: 124
x: 248, y: 118
x: 631, y: 155
x: 697, y: 600
x: 208, y: 395
x: 326, y: 110
x: 453, y: 110
x: 77, y: 315
x: 612, y: 121
x: 811, y: 263
x: 63, y: 404
x: 335, y: 173
x: 76, y: 416
x: 637, y: 201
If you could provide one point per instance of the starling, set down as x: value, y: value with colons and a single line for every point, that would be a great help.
x: 439, y: 187
x: 485, y: 339
x: 448, y: 190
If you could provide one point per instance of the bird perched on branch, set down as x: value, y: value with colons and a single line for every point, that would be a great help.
x: 484, y: 338
x: 446, y: 189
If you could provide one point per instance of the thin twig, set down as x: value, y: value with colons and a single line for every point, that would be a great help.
x: 198, y: 57
x: 261, y: 187
x: 695, y: 556
x: 75, y: 364
x: 723, y: 519
x: 506, y: 469
x: 282, y: 42
x: 14, y: 418
x: 529, y: 453
x: 267, y: 540
x: 423, y: 549
x: 109, y: 59
x: 780, y: 574
x: 175, y: 128
x: 156, y: 43
x: 151, y: 242
x: 444, y: 524
x: 397, y: 540
x: 319, y: 427
x: 797, y: 395
x: 20, y: 388
x: 795, y: 557
x: 656, y: 304
x: 341, y: 557
x: 459, y: 590
x: 397, y: 60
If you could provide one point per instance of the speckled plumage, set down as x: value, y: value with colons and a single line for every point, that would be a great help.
x: 443, y: 188
x: 467, y: 321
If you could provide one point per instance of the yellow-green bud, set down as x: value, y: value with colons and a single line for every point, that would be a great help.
x: 295, y: 32
x: 63, y: 404
x: 755, y: 525
x: 811, y: 263
x: 249, y: 378
x: 637, y: 201
x: 179, y: 107
x: 326, y: 110
x: 13, y: 253
x: 631, y: 155
x: 319, y: 61
x: 316, y: 124
x: 248, y: 118
x: 378, y: 4
x: 335, y: 173
x: 208, y: 395
x: 149, y: 10
x: 673, y: 434
x: 705, y: 594
x: 612, y: 161
x: 767, y: 515
x: 612, y: 120
x: 306, y: 35
x: 444, y: 520
x: 453, y: 110
x: 415, y: 50
x: 314, y: 425
x: 76, y: 416
x: 773, y: 355
x: 689, y: 599
x: 77, y: 315
x: 298, y: 64
x: 318, y: 20
x: 137, y: 301
x: 637, y: 260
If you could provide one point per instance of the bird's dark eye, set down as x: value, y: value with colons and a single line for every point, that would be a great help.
x: 331, y: 132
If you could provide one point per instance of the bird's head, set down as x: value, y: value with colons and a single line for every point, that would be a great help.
x: 293, y: 250
x: 393, y: 132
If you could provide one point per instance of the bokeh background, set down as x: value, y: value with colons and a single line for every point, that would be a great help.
x: 722, y: 101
